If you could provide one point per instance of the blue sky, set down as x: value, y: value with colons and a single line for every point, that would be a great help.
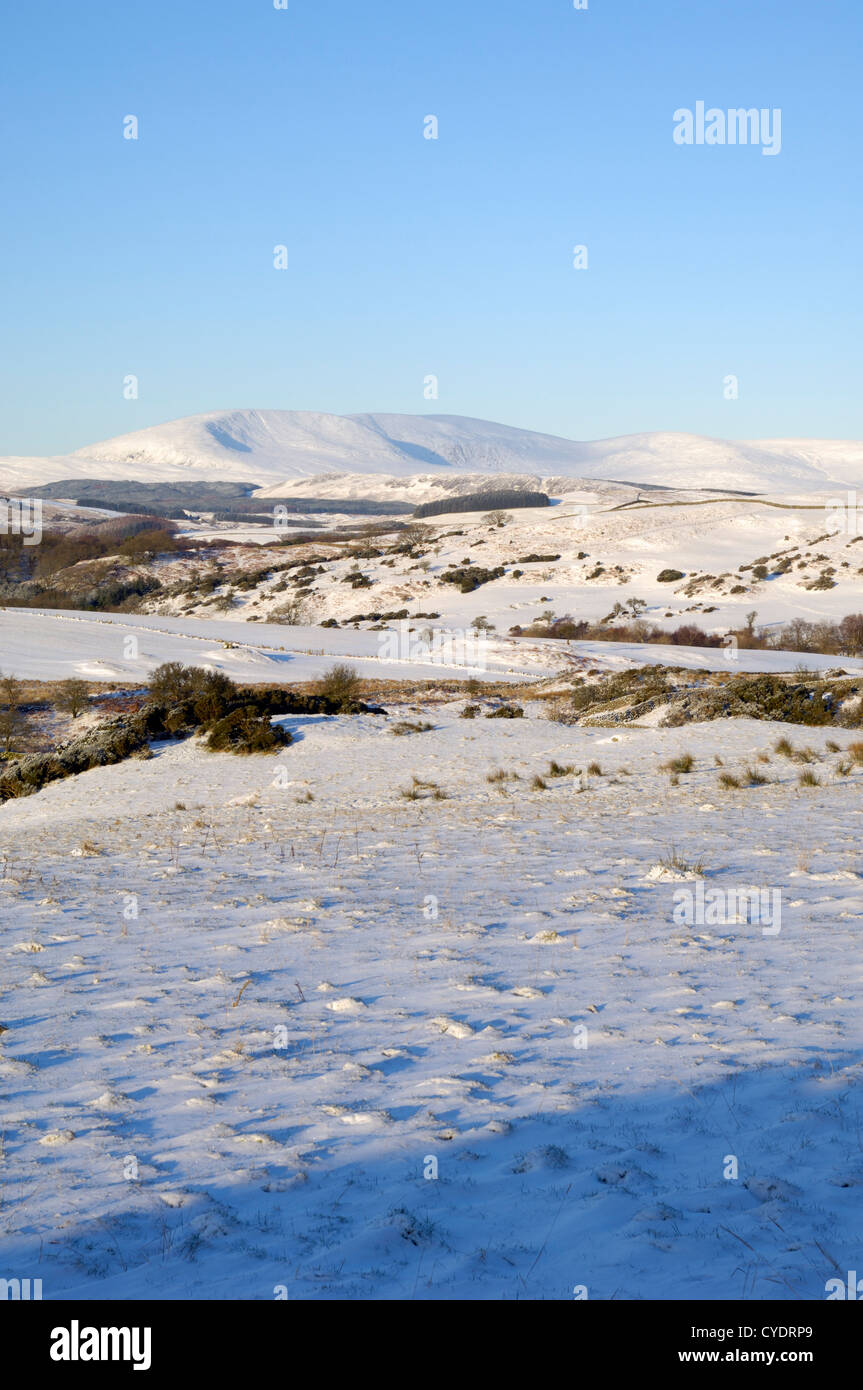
x: 410, y: 257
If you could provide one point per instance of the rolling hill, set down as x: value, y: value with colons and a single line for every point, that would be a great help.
x: 278, y: 447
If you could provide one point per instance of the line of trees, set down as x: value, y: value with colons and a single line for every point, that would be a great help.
x: 483, y: 502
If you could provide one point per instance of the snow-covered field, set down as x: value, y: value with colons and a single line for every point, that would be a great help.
x: 367, y: 1046
x: 45, y: 645
x: 384, y: 1017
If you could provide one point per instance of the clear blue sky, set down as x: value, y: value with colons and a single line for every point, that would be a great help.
x: 409, y: 256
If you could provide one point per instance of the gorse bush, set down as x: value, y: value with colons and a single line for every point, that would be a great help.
x: 247, y: 731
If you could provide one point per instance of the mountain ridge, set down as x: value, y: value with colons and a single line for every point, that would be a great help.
x: 278, y: 447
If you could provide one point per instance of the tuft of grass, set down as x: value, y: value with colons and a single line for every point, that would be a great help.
x: 832, y: 746
x: 754, y: 778
x: 594, y: 770
x: 538, y: 785
x: 784, y: 747
x: 410, y: 726
x: 674, y: 860
x: 559, y: 770
x: 500, y: 774
x: 727, y: 781
x: 808, y: 779
x: 805, y: 755
x: 856, y: 751
x: 684, y: 762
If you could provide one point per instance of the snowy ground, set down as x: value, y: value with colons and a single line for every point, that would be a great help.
x: 244, y: 1025
x: 45, y: 645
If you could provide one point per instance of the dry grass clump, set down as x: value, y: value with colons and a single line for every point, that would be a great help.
x: 684, y: 762
x: 556, y: 769
x: 674, y: 860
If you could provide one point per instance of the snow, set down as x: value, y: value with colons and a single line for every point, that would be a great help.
x: 37, y: 644
x: 353, y: 1021
x: 243, y: 1026
x: 279, y: 445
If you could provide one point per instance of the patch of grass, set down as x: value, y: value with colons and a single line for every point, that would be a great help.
x: 410, y: 726
x: 808, y: 779
x: 784, y: 747
x: 506, y: 712
x: 538, y: 785
x: 805, y: 755
x: 729, y: 782
x: 556, y: 769
x: 594, y: 770
x: 754, y: 778
x: 674, y: 860
x: 683, y: 763
x: 500, y: 774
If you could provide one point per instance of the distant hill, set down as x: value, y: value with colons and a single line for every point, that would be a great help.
x: 270, y: 448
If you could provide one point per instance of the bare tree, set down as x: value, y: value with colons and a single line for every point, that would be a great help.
x: 11, y: 717
x: 72, y: 696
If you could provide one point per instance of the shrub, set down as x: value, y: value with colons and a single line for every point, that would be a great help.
x: 506, y: 712
x: 410, y: 726
x: 469, y: 712
x: 562, y: 711
x: 669, y: 576
x: 246, y: 731
x: 341, y: 683
x: 470, y: 577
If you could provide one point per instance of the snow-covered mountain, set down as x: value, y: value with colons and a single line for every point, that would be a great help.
x: 272, y: 447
